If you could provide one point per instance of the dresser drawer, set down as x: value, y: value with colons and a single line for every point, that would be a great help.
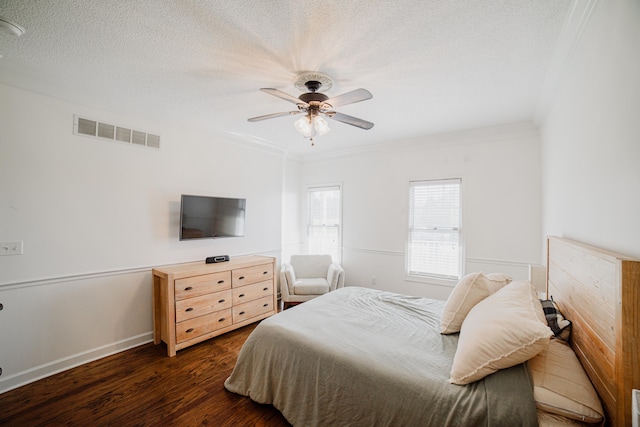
x: 250, y: 292
x: 199, y: 285
x: 204, y: 304
x: 252, y: 309
x: 203, y: 325
x: 249, y: 275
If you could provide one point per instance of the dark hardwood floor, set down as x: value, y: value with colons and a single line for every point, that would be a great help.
x: 143, y: 387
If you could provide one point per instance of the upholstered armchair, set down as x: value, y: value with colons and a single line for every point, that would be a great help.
x: 308, y: 276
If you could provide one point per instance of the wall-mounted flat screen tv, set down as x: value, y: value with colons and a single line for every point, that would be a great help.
x: 206, y: 217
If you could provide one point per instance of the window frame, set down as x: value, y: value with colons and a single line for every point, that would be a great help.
x: 325, y: 187
x: 411, y: 274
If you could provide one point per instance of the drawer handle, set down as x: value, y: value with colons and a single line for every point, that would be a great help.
x: 265, y: 289
x: 189, y: 309
x: 265, y: 305
x: 265, y: 272
x: 241, y: 278
x: 221, y: 319
x: 189, y: 330
x: 241, y: 313
x: 188, y: 288
x: 240, y: 296
x: 220, y: 281
x: 221, y: 301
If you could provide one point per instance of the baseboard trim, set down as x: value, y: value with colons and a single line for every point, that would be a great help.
x: 46, y: 370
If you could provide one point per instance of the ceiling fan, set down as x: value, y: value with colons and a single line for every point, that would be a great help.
x: 316, y: 105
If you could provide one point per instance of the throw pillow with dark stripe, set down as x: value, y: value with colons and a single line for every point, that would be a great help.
x: 560, y: 326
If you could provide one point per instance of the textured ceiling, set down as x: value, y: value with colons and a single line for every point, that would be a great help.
x: 433, y: 66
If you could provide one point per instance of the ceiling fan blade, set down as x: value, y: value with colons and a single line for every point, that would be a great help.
x: 274, y: 115
x: 349, y: 98
x: 285, y: 96
x: 350, y: 120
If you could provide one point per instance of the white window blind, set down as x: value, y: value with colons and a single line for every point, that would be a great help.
x: 434, y: 248
x: 325, y: 213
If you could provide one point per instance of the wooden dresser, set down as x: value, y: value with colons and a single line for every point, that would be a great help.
x: 197, y: 301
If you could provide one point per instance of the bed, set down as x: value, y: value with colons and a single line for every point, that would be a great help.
x: 359, y: 356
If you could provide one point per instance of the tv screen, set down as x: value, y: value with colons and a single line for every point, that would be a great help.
x: 205, y: 217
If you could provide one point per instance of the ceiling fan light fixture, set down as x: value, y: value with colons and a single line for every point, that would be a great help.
x: 321, y: 126
x: 310, y: 127
x: 303, y: 125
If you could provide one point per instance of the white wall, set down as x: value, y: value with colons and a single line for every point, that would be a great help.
x: 500, y: 169
x: 95, y: 216
x: 591, y: 135
x: 291, y: 204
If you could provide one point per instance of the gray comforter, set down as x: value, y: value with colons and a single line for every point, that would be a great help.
x: 361, y: 357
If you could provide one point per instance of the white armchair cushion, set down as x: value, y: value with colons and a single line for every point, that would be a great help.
x: 310, y: 266
x: 317, y: 286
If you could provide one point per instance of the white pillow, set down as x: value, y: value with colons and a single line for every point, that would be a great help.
x: 562, y: 387
x: 502, y: 330
x: 471, y: 289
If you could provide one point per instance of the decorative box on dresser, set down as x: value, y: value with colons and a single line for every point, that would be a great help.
x: 197, y: 301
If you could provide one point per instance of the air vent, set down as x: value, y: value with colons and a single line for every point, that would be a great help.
x: 86, y: 127
x: 123, y: 134
x: 106, y: 131
x: 97, y: 129
x: 139, y: 138
x: 153, y: 141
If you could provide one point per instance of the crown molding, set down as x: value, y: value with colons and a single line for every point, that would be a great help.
x: 255, y: 142
x: 506, y: 132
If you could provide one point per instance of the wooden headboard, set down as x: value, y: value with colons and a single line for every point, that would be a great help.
x: 599, y: 291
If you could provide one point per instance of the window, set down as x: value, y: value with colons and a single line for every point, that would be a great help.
x: 325, y: 213
x: 434, y: 247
